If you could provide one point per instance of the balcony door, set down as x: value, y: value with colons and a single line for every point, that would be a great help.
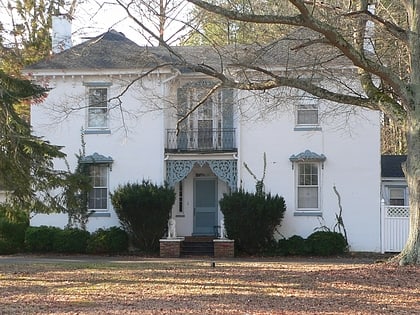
x: 204, y: 125
x: 210, y: 125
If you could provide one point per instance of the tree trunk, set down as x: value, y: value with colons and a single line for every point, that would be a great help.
x: 411, y: 252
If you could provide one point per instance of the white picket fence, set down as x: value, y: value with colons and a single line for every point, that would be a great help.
x: 395, y: 227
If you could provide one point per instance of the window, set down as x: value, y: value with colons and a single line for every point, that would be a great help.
x: 307, y: 115
x: 308, y: 166
x: 98, y: 197
x: 308, y: 186
x: 180, y: 197
x: 397, y: 196
x: 97, y: 108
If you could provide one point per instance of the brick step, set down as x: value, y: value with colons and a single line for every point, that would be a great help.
x: 197, y: 248
x: 190, y: 239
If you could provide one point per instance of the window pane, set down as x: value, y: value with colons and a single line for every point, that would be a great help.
x: 307, y: 115
x: 396, y: 193
x: 98, y: 197
x: 308, y: 197
x: 98, y: 97
x: 97, y: 117
x: 397, y: 196
x: 308, y: 174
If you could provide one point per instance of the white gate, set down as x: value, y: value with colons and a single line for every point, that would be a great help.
x: 395, y: 227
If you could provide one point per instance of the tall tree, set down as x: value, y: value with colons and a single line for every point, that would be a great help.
x: 383, y: 45
x: 26, y: 161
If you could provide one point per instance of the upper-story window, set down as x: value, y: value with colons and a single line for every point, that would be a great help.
x: 98, y: 108
x: 307, y: 113
x: 97, y: 104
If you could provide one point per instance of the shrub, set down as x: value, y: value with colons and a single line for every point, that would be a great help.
x: 12, y: 236
x: 70, y: 241
x: 143, y: 211
x: 297, y: 245
x: 108, y: 241
x: 326, y: 243
x: 250, y: 219
x: 41, y: 239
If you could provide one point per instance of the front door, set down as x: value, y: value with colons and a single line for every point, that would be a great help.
x: 205, y: 206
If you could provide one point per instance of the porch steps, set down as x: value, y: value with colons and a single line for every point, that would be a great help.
x: 197, y: 246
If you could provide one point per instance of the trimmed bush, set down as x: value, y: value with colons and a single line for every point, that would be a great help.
x: 108, y: 241
x: 327, y: 243
x: 70, y: 241
x: 143, y: 211
x: 297, y: 245
x: 40, y: 239
x: 251, y: 219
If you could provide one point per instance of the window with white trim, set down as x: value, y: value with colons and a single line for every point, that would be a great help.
x: 308, y: 186
x: 97, y: 116
x: 307, y: 115
x: 307, y: 112
x: 98, y: 196
x: 397, y: 196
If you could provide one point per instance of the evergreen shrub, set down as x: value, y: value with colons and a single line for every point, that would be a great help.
x: 41, y: 238
x: 251, y: 219
x: 297, y: 245
x: 143, y: 210
x: 70, y: 240
x: 327, y: 243
x: 108, y: 241
x: 12, y: 236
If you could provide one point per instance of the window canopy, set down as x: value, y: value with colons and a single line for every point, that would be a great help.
x: 307, y: 156
x: 96, y: 158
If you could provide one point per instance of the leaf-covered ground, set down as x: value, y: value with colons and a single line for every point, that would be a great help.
x: 186, y: 286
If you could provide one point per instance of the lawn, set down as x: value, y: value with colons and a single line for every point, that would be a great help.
x: 186, y: 286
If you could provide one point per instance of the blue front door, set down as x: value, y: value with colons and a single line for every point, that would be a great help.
x: 205, y: 206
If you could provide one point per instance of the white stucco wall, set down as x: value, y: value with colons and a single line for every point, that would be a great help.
x: 352, y: 165
x: 136, y: 144
x: 349, y: 142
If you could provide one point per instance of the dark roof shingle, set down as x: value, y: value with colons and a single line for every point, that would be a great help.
x: 391, y: 165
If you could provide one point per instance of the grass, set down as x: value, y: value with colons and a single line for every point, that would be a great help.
x: 185, y: 286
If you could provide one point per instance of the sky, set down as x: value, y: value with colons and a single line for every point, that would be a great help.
x: 95, y: 17
x: 92, y: 18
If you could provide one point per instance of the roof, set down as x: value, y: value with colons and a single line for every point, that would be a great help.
x: 112, y: 50
x: 391, y: 165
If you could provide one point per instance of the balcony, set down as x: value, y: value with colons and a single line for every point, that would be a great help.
x: 201, y: 140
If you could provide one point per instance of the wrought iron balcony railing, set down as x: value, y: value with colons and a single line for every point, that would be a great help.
x: 200, y: 140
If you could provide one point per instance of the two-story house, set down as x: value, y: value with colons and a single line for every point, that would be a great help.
x: 130, y: 104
